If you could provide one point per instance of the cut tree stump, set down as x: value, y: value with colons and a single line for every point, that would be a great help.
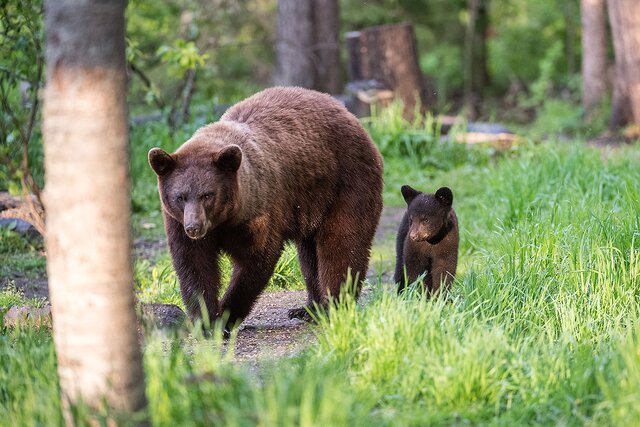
x: 388, y: 55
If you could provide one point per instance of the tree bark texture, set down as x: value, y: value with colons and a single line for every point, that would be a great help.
x: 389, y: 54
x: 475, y: 72
x: 88, y: 206
x: 624, y: 16
x: 594, y: 53
x: 326, y: 19
x: 294, y: 60
x: 308, y: 46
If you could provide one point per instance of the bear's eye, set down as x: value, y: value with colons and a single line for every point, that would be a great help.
x: 180, y: 199
x: 207, y: 196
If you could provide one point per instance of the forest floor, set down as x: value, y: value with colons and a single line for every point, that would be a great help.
x: 267, y: 332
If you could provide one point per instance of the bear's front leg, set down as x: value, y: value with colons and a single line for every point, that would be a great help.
x: 250, y: 276
x: 443, y: 273
x: 196, y: 264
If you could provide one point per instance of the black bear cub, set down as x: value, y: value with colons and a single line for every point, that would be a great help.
x: 427, y: 241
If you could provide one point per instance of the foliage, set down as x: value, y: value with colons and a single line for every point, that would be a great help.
x: 182, y: 57
x: 19, y: 255
x: 21, y: 75
x: 420, y: 142
x: 11, y: 296
x: 527, y: 34
x: 229, y: 41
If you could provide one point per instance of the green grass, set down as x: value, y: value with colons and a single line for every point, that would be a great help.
x: 20, y: 255
x: 541, y: 326
x: 156, y: 280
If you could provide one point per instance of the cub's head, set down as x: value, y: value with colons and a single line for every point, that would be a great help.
x: 428, y: 213
x: 198, y: 186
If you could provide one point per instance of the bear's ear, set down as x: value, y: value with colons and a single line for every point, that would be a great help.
x: 409, y: 193
x: 229, y: 158
x: 445, y: 196
x: 161, y: 162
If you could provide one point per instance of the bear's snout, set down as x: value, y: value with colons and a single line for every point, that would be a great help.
x: 420, y: 230
x: 194, y: 231
x: 418, y: 237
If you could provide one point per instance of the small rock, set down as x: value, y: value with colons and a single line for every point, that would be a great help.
x: 21, y: 315
x: 21, y: 227
x: 161, y: 316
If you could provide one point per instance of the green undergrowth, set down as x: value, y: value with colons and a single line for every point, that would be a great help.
x: 19, y: 255
x: 12, y: 296
x: 156, y: 280
x: 540, y: 328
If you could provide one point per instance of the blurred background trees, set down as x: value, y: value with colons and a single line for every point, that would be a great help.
x: 488, y: 56
x: 542, y: 63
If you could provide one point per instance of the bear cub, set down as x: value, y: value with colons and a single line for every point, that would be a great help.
x: 427, y: 241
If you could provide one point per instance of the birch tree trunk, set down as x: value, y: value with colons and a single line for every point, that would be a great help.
x: 88, y: 207
x: 594, y: 53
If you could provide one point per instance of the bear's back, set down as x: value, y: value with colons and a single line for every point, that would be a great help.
x: 283, y: 104
x: 301, y: 118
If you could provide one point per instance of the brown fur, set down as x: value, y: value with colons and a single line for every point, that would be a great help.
x: 287, y: 164
x: 427, y: 241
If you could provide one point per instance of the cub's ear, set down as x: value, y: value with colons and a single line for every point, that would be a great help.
x: 229, y: 158
x: 161, y: 162
x: 445, y: 196
x: 409, y: 193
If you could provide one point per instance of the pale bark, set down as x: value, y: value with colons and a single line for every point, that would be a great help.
x: 88, y: 207
x: 594, y: 53
x: 624, y: 16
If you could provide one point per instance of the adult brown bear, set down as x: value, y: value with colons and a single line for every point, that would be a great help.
x: 287, y: 164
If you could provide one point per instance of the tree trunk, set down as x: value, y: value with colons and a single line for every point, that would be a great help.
x: 294, y: 60
x: 624, y: 16
x: 308, y: 46
x: 326, y: 19
x: 88, y: 206
x: 475, y: 73
x: 571, y: 12
x: 389, y: 54
x: 594, y: 53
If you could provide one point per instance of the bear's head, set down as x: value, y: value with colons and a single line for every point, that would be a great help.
x: 198, y: 185
x: 428, y: 213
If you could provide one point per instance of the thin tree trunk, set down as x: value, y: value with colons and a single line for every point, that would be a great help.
x: 475, y: 73
x: 326, y: 18
x: 571, y: 13
x: 294, y: 41
x: 624, y: 16
x: 88, y: 207
x: 594, y: 53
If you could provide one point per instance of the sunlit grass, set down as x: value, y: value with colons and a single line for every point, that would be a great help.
x: 541, y: 326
